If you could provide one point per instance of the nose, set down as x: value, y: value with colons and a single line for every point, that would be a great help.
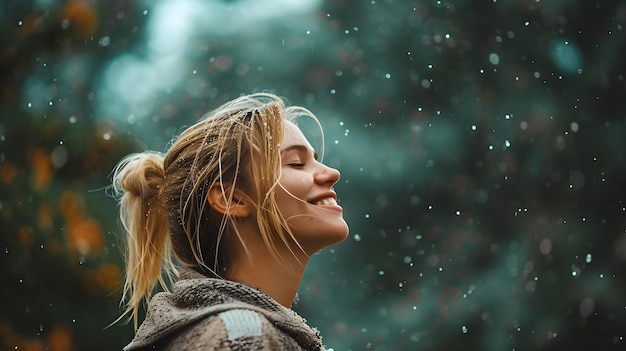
x: 327, y: 175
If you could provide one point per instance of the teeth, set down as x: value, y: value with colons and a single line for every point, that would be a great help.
x: 326, y: 201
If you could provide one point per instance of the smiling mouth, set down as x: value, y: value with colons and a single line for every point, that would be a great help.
x: 326, y: 201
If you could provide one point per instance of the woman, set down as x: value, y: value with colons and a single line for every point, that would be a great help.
x: 233, y: 211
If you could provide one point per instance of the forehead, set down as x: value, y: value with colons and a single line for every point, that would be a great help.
x: 293, y: 136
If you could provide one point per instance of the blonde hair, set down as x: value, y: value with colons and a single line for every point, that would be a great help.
x: 163, y: 198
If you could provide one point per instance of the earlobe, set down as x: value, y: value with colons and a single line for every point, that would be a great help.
x: 236, y: 204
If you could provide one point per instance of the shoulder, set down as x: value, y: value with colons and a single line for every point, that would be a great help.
x: 241, y: 323
x: 237, y: 330
x: 250, y: 330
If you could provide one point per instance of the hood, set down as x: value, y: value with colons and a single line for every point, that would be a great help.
x: 195, y: 297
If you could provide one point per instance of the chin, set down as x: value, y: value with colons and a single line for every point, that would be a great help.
x: 328, y: 239
x: 344, y: 235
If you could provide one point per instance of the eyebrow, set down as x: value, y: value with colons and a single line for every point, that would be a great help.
x: 298, y: 148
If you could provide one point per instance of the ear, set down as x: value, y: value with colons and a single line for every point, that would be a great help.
x: 240, y: 205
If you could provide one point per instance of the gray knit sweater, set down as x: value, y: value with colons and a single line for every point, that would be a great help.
x: 215, y: 314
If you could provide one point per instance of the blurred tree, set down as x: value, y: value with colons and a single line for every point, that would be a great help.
x: 480, y: 145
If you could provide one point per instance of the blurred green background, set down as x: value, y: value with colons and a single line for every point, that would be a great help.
x: 481, y: 145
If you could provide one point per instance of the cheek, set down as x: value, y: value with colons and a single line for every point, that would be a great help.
x: 297, y: 185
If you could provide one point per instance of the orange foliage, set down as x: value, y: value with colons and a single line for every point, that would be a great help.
x: 41, y: 164
x: 83, y: 233
x: 44, y: 217
x: 25, y: 236
x: 109, y: 277
x: 54, y: 247
x: 30, y: 345
x: 29, y: 24
x: 60, y: 338
x: 69, y: 205
x: 82, y: 16
x: 7, y: 172
x: 10, y: 340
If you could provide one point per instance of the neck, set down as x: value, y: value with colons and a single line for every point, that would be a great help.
x: 280, y: 279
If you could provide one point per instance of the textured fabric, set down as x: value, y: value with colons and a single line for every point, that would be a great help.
x: 241, y: 323
x: 214, y: 314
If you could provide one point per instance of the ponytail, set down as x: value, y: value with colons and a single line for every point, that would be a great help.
x: 138, y: 183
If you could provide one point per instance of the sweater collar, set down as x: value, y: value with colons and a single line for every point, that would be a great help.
x: 196, y: 297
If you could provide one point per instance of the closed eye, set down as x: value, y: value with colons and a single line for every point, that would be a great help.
x: 296, y: 165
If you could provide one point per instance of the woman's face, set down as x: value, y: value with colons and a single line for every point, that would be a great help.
x: 305, y: 197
